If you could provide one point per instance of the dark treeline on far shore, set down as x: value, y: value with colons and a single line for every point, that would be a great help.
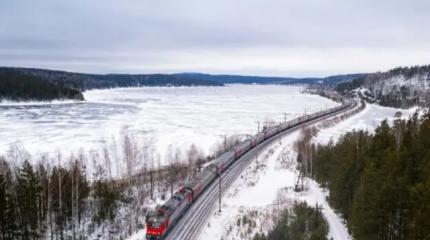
x: 17, y: 86
x: 23, y: 84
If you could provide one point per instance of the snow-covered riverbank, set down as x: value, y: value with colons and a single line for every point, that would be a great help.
x: 7, y: 103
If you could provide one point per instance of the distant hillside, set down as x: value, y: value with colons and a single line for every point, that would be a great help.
x: 399, y: 87
x: 17, y: 86
x: 229, y: 79
x: 42, y: 84
x: 85, y: 81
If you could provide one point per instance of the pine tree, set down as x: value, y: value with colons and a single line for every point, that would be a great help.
x: 42, y: 204
x: 11, y: 228
x: 57, y: 214
x: 106, y: 195
x: 28, y: 195
x: 3, y: 205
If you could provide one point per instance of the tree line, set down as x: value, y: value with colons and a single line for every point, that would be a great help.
x: 380, y: 182
x: 35, y: 200
x: 18, y: 86
x: 42, y: 84
x: 43, y: 202
x: 57, y: 197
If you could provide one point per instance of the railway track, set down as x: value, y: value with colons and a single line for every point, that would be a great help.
x: 191, y: 223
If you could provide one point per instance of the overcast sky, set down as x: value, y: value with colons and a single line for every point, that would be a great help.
x: 263, y: 37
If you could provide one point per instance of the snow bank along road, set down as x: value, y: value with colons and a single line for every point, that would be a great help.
x: 189, y: 226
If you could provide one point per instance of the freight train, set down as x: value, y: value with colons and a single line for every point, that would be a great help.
x: 160, y: 221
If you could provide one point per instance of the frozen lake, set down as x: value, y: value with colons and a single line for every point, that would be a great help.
x: 171, y: 116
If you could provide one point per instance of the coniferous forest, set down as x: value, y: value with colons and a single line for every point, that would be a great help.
x: 44, y: 202
x: 36, y: 202
x: 17, y: 86
x: 380, y: 182
x: 23, y: 84
x: 40, y: 199
x: 300, y: 223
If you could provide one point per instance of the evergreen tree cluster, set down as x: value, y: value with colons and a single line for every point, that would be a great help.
x: 380, y: 182
x: 302, y: 223
x: 17, y: 86
x: 106, y: 195
x: 38, y: 202
x: 63, y: 201
x: 345, y: 87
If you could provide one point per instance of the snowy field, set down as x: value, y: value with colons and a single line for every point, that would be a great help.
x: 267, y: 185
x: 368, y: 119
x: 176, y: 116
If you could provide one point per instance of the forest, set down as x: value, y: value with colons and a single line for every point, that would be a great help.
x: 380, y: 182
x: 84, y: 81
x: 302, y: 222
x: 17, y: 86
x: 20, y: 84
x: 79, y: 195
x: 401, y: 87
x: 44, y: 201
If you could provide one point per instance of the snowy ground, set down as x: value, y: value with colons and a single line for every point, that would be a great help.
x: 267, y: 185
x: 8, y: 103
x: 368, y: 119
x: 171, y: 116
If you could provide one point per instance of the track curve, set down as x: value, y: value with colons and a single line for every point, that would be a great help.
x: 191, y: 223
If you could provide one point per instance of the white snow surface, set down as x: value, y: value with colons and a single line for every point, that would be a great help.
x: 172, y: 116
x: 9, y: 103
x: 368, y: 119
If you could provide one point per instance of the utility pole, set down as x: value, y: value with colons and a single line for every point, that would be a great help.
x: 219, y: 195
x: 218, y: 174
x: 285, y: 117
x: 258, y: 126
x: 151, y: 179
x: 225, y: 140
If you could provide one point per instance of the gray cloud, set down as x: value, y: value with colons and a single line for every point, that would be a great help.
x: 275, y: 37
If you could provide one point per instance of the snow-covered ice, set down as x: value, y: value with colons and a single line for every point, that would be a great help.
x: 177, y: 116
